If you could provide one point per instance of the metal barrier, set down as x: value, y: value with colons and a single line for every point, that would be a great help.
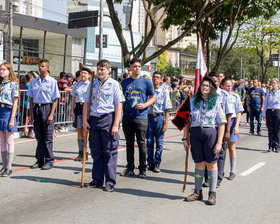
x: 63, y: 109
x: 62, y: 112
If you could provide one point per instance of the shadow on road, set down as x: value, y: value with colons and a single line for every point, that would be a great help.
x: 250, y: 149
x: 149, y: 194
x: 44, y: 180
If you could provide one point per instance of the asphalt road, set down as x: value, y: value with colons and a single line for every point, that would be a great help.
x: 253, y: 197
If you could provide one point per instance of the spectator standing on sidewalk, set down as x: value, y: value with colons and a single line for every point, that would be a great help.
x: 255, y: 102
x: 157, y: 122
x: 9, y: 93
x: 43, y: 93
x: 139, y: 95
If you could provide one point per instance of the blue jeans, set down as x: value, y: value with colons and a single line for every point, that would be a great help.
x: 155, y: 125
x: 255, y: 113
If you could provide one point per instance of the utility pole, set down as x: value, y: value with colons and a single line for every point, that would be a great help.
x: 11, y: 31
x: 101, y: 31
x: 278, y: 64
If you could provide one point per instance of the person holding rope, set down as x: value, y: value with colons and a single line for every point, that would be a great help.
x: 9, y: 94
x: 204, y: 132
x: 78, y: 99
x: 106, y: 103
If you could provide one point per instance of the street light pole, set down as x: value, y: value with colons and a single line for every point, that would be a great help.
x: 11, y: 31
x: 101, y: 31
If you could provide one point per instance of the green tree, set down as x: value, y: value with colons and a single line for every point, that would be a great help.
x: 261, y: 36
x: 156, y: 10
x: 162, y: 62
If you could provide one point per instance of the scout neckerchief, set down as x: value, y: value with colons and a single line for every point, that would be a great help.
x: 203, y: 113
x: 4, y: 82
x: 99, y: 90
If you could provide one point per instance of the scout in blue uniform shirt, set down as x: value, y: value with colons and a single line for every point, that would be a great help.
x: 78, y: 98
x: 205, y: 132
x: 229, y: 110
x: 233, y: 99
x: 157, y: 122
x: 105, y: 114
x: 9, y: 94
x: 43, y: 93
x: 271, y: 114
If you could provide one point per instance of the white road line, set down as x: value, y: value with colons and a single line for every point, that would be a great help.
x: 252, y: 169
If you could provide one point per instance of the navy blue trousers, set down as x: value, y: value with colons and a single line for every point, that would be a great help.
x: 255, y: 113
x: 155, y: 125
x: 104, y: 149
x: 273, y: 126
x: 43, y: 134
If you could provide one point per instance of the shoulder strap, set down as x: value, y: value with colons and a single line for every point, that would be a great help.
x: 90, y: 96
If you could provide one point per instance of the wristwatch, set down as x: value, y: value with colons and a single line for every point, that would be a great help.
x: 184, y: 139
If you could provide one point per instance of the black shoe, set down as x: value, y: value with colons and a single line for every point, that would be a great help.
x: 270, y: 150
x: 157, y: 169
x: 231, y: 176
x: 212, y: 198
x: 218, y: 185
x: 6, y: 173
x: 93, y: 184
x: 251, y: 133
x: 259, y: 134
x: 109, y: 188
x: 142, y: 174
x: 277, y: 150
x: 79, y: 158
x: 196, y: 195
x: 206, y: 184
x: 36, y: 166
x: 47, y: 166
x: 151, y: 166
x: 2, y: 170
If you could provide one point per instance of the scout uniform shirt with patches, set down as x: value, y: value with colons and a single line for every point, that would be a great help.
x: 79, y: 91
x: 8, y: 90
x: 222, y: 99
x: 43, y: 91
x: 210, y: 118
x: 105, y: 96
x: 272, y: 101
x: 162, y: 102
x: 233, y: 99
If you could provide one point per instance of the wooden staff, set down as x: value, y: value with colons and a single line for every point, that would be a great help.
x: 86, y: 137
x: 186, y: 170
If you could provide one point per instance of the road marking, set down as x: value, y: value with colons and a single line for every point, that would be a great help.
x: 252, y: 169
x: 122, y: 148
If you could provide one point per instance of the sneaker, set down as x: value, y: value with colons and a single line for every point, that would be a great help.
x: 6, y: 173
x: 277, y: 150
x: 251, y: 133
x: 128, y: 173
x: 142, y: 174
x: 151, y: 166
x: 196, y: 195
x: 212, y: 198
x: 218, y: 185
x: 231, y: 176
x: 270, y: 150
x: 157, y: 169
x: 109, y: 188
x: 259, y: 134
x: 206, y: 184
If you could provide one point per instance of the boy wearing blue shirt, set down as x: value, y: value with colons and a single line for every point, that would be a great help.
x: 157, y: 122
x: 139, y: 95
x: 43, y: 93
x: 105, y: 111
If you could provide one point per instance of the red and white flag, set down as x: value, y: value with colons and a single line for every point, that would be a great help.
x: 201, y: 68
